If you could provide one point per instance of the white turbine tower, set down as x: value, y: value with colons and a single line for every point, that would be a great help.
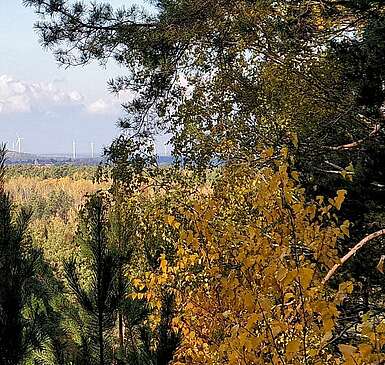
x: 18, y: 143
x: 73, y: 149
x: 92, y: 149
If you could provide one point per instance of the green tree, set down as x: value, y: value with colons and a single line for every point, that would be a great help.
x: 100, y: 294
x: 17, y: 262
x: 26, y: 316
x: 222, y: 77
x: 139, y: 342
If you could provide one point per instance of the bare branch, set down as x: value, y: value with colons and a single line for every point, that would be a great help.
x: 339, y: 168
x: 336, y: 172
x: 352, y: 252
x: 357, y: 144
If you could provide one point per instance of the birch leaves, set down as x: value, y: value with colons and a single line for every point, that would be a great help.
x: 247, y: 275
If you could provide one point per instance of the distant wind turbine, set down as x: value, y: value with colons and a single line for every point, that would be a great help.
x: 18, y: 143
x: 92, y: 149
x: 74, y: 149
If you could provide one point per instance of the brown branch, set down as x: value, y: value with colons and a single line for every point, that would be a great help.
x: 352, y: 252
x: 356, y: 144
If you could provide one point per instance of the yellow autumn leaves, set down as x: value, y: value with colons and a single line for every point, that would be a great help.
x: 247, y: 267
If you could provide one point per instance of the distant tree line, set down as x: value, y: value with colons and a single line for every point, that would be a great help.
x: 52, y: 172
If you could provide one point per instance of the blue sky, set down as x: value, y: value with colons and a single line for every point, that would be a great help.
x: 47, y: 105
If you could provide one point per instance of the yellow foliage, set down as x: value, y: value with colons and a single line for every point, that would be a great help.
x: 247, y: 271
x: 54, y: 203
x: 245, y: 258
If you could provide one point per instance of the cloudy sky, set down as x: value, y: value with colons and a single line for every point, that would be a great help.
x: 45, y: 104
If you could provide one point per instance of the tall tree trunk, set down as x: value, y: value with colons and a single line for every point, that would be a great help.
x: 121, y: 330
x: 101, y: 340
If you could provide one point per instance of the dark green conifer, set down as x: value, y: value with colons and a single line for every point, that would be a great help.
x: 18, y: 264
x: 99, y: 294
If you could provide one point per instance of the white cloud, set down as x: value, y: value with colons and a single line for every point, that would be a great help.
x: 19, y: 96
x: 102, y: 106
x: 54, y: 98
x: 110, y: 105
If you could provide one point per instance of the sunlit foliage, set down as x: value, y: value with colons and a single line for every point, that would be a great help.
x: 245, y: 258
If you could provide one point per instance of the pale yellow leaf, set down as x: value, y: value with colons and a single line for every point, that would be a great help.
x: 292, y: 347
x: 306, y: 276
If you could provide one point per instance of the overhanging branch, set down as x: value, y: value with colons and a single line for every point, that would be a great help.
x: 352, y: 252
x: 357, y: 144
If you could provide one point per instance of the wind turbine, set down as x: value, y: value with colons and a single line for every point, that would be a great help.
x: 73, y: 149
x: 92, y: 149
x: 18, y: 143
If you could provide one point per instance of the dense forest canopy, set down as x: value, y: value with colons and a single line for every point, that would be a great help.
x: 262, y: 244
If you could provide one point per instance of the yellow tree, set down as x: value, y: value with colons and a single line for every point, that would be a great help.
x: 251, y: 255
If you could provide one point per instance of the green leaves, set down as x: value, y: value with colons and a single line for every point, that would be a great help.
x: 22, y: 278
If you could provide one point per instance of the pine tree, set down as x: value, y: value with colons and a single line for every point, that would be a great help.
x: 99, y: 294
x: 18, y: 264
x: 138, y: 342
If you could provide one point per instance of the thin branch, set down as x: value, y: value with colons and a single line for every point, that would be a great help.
x: 328, y: 171
x: 377, y: 185
x: 352, y: 252
x: 356, y: 144
x: 334, y: 165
